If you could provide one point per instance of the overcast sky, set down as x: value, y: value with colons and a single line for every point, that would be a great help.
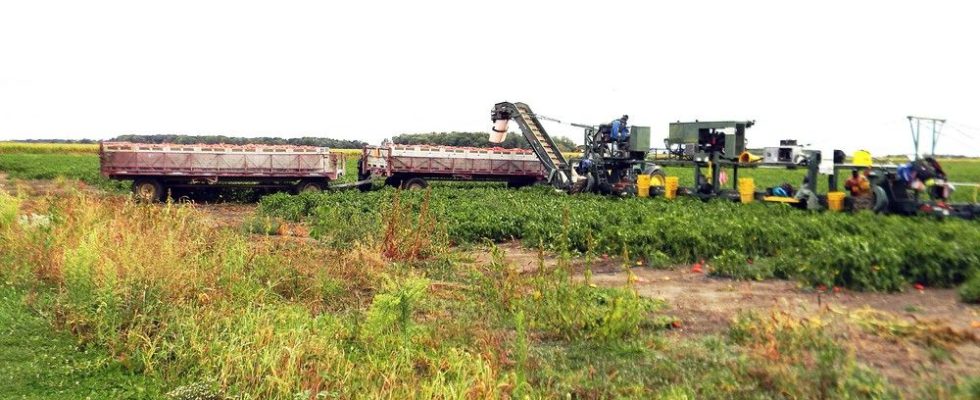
x: 832, y: 73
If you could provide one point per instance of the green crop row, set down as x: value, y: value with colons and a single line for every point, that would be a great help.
x: 862, y: 251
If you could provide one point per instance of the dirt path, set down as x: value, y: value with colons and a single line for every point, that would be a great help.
x: 944, y: 338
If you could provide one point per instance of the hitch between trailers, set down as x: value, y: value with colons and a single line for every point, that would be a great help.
x: 349, y: 185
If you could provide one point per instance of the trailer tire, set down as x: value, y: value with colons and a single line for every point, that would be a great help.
x: 416, y: 184
x: 393, y: 181
x: 518, y: 183
x: 148, y: 190
x: 310, y: 186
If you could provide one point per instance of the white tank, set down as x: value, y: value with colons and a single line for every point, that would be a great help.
x: 499, y: 132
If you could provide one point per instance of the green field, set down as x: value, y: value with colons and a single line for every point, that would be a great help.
x: 862, y: 251
x: 37, y: 362
x: 404, y: 294
x: 393, y: 314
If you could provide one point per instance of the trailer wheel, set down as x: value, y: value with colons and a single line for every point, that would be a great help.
x: 518, y: 183
x: 393, y: 181
x: 416, y: 184
x: 148, y: 190
x: 309, y: 187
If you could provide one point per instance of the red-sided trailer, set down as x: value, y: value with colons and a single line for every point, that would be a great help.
x: 410, y: 166
x: 156, y: 167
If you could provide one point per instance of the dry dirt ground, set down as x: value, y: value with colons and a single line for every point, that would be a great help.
x: 911, y: 337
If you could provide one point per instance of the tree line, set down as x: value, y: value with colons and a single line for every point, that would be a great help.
x: 475, y: 139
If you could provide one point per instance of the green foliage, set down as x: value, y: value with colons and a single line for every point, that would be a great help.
x: 800, y: 356
x: 520, y: 353
x: 970, y: 290
x: 261, y: 225
x: 570, y: 310
x: 861, y: 251
x: 391, y: 310
x: 343, y: 226
x: 734, y: 264
x: 9, y: 207
x: 37, y: 362
x: 84, y: 167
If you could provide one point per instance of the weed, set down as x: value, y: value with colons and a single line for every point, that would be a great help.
x: 970, y: 290
x: 735, y: 265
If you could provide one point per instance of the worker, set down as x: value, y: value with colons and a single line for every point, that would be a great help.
x: 619, y: 130
x: 860, y: 189
x: 806, y: 195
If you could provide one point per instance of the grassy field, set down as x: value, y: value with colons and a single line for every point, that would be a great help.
x: 389, y: 301
x: 394, y: 314
x: 37, y: 362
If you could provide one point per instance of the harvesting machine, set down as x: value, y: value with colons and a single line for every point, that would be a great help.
x: 616, y: 160
x: 614, y: 155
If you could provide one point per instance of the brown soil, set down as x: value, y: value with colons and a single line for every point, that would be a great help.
x: 706, y: 305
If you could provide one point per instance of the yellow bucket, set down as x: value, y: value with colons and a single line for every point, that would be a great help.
x: 746, y: 190
x: 670, y: 187
x: 835, y: 201
x: 643, y: 185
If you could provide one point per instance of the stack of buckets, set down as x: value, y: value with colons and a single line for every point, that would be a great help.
x: 643, y: 185
x: 746, y: 190
x: 670, y: 187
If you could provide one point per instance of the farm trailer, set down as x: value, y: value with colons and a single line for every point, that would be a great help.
x: 412, y: 166
x: 154, y: 168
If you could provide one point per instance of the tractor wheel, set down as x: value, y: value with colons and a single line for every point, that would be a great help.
x: 416, y: 184
x: 585, y: 184
x: 309, y: 187
x: 880, y: 200
x: 658, y: 178
x: 148, y: 190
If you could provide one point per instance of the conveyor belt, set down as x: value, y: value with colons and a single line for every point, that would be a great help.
x: 541, y: 143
